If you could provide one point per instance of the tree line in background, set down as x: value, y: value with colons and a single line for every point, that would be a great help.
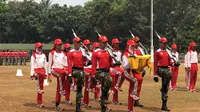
x: 28, y: 21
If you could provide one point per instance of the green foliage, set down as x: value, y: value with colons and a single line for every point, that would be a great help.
x: 28, y: 21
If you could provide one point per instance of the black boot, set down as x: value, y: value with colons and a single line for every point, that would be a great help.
x: 137, y: 104
x: 164, y: 106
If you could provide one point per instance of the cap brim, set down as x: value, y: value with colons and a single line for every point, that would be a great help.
x: 104, y: 41
x: 164, y: 42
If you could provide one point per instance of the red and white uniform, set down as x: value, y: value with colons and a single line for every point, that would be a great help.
x: 88, y: 72
x: 133, y: 85
x: 192, y: 57
x: 162, y: 59
x: 138, y: 76
x: 98, y: 85
x: 39, y: 70
x: 187, y: 73
x: 68, y: 85
x: 174, y: 70
x: 57, y: 66
x: 117, y: 74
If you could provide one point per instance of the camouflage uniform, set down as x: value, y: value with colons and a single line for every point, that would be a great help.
x: 106, y: 80
x: 166, y: 75
x: 79, y: 75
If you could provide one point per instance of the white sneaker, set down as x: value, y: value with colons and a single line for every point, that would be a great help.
x: 62, y: 93
x: 134, y: 97
x: 69, y: 102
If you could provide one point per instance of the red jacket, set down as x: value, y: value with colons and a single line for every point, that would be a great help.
x: 161, y: 58
x: 75, y: 59
x: 6, y: 54
x: 1, y: 54
x: 101, y: 59
x: 25, y: 54
x: 17, y: 54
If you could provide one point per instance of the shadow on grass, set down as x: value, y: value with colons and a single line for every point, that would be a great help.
x: 182, y: 89
x: 74, y: 105
x: 153, y: 109
x: 33, y: 105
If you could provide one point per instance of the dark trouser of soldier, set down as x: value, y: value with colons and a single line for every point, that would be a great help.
x: 78, y: 74
x: 19, y: 60
x: 23, y: 60
x: 4, y: 61
x: 16, y: 61
x: 165, y: 74
x: 11, y: 60
x: 106, y: 80
x: 8, y: 61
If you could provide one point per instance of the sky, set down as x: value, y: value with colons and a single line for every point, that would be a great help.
x: 68, y: 2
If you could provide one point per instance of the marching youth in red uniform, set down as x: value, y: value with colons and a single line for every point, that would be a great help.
x: 57, y: 67
x: 117, y: 72
x: 39, y: 71
x: 174, y: 69
x: 129, y: 75
x: 67, y: 48
x: 192, y: 56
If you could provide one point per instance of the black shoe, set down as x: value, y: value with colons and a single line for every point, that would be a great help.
x: 165, y: 108
x: 137, y: 104
x: 106, y: 102
x: 57, y: 106
x: 79, y: 110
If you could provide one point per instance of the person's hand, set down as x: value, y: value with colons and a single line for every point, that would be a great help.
x: 70, y: 79
x: 155, y: 79
x: 177, y: 64
x: 143, y: 73
x: 32, y: 77
x: 49, y: 79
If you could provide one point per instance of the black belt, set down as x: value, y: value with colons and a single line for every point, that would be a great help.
x: 163, y: 66
x: 116, y: 65
x: 77, y: 68
x: 103, y: 70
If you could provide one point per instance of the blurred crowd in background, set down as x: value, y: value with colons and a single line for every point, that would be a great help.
x: 13, y: 57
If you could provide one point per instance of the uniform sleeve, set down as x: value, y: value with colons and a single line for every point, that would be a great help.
x: 66, y: 63
x: 46, y: 65
x: 111, y: 61
x: 125, y: 63
x: 94, y: 64
x: 69, y: 58
x: 171, y: 60
x: 32, y: 65
x: 188, y: 59
x: 155, y: 64
x: 50, y: 62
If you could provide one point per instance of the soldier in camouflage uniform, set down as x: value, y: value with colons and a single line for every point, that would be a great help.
x: 4, y: 57
x: 76, y: 61
x: 162, y: 61
x: 101, y: 63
